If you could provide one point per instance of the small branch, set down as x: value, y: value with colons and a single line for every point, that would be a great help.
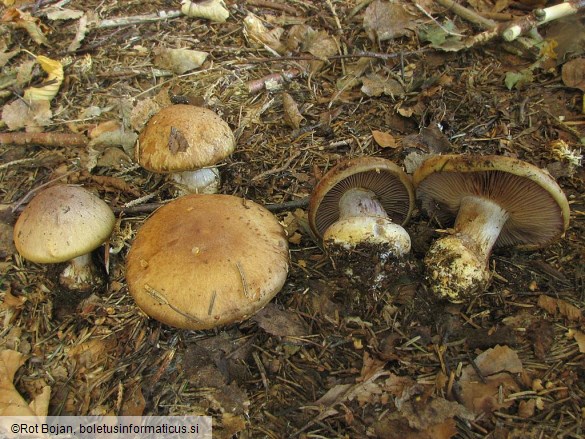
x: 273, y: 5
x: 68, y: 140
x: 258, y: 85
x: 468, y: 14
x: 137, y: 19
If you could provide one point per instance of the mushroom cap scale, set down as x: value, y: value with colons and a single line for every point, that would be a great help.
x: 206, y: 260
x: 61, y: 223
x: 390, y: 184
x: 537, y: 207
x: 183, y: 138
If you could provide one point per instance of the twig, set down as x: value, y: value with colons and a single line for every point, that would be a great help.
x: 137, y: 19
x: 468, y: 14
x: 68, y: 140
x: 258, y: 85
x: 273, y: 5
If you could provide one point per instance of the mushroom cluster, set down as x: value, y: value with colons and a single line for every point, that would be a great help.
x: 358, y: 209
x: 495, y: 201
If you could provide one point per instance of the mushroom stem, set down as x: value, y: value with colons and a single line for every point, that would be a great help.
x: 200, y: 181
x: 360, y: 202
x: 363, y: 221
x: 457, y: 264
x: 81, y: 274
x: 480, y: 221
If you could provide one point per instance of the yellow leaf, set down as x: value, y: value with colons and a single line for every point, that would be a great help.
x: 48, y: 91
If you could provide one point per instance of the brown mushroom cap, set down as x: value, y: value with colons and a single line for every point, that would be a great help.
x: 206, y: 260
x: 183, y: 138
x: 537, y: 207
x: 386, y: 180
x: 62, y: 223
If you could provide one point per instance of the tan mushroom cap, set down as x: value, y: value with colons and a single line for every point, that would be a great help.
x: 206, y: 260
x: 538, y: 208
x: 62, y: 223
x: 384, y: 178
x: 184, y: 138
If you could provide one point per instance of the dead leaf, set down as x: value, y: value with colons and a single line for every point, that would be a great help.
x: 375, y: 85
x: 573, y: 74
x: 54, y: 70
x: 282, y: 323
x: 292, y: 115
x: 384, y: 140
x: 554, y: 306
x: 541, y: 334
x: 11, y: 402
x: 32, y: 117
x: 26, y: 21
x: 384, y: 21
x: 580, y: 339
x: 213, y: 10
x: 178, y: 61
x: 261, y: 36
x: 134, y: 402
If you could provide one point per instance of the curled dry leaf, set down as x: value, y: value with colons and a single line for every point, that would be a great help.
x: 213, y: 10
x: 32, y: 117
x: 11, y: 402
x: 54, y: 79
x: 554, y: 306
x: 260, y: 35
x: 26, y: 21
x: 292, y: 115
x: 573, y: 74
x: 178, y: 61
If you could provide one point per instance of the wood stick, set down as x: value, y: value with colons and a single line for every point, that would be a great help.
x: 68, y: 140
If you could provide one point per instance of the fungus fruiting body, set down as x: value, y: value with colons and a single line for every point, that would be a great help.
x: 186, y: 141
x: 65, y: 223
x: 358, y: 209
x: 202, y: 261
x: 495, y: 202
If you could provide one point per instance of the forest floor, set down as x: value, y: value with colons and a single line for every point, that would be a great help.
x: 303, y: 84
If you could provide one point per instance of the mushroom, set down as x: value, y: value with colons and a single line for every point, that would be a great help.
x: 186, y: 141
x: 202, y: 261
x: 358, y: 209
x: 495, y: 201
x: 65, y: 223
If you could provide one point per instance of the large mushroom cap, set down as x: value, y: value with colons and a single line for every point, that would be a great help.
x: 537, y: 207
x: 62, y: 223
x: 184, y: 138
x: 205, y: 260
x: 389, y: 183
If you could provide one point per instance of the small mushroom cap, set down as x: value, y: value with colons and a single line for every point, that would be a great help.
x: 183, y: 138
x: 62, y: 223
x: 386, y: 180
x: 202, y: 261
x: 537, y: 207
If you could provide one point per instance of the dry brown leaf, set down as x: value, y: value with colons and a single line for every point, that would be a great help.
x: 213, y: 10
x: 261, y: 36
x: 384, y: 21
x: 384, y: 140
x: 573, y: 74
x: 292, y: 115
x: 32, y: 117
x: 26, y: 21
x: 134, y: 402
x: 282, y: 323
x: 498, y: 359
x: 580, y: 339
x: 11, y: 402
x: 178, y: 61
x: 375, y: 85
x: 552, y: 306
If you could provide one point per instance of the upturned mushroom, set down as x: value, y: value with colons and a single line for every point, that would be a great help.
x: 65, y: 223
x: 494, y: 201
x: 186, y: 141
x: 358, y: 209
x: 202, y: 261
